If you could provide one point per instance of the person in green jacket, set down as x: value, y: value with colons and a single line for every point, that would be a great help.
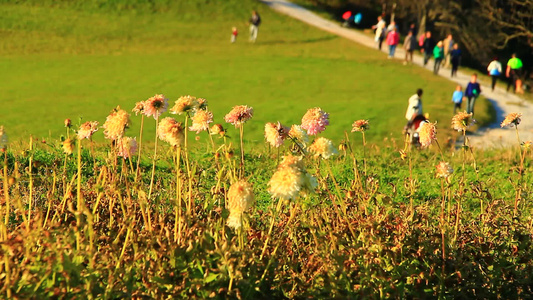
x: 438, y: 54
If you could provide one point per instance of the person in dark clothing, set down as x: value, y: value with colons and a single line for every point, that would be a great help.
x: 455, y: 58
x: 472, y: 91
x: 254, y: 22
x: 427, y: 47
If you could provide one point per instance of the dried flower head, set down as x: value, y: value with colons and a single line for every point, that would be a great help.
x: 299, y: 134
x: 217, y: 129
x: 155, y: 106
x: 511, y: 119
x: 427, y: 133
x: 68, y: 146
x: 201, y: 120
x: 115, y: 124
x: 290, y: 179
x: 87, y: 129
x: 239, y: 115
x: 240, y: 198
x: 360, y: 125
x: 184, y: 104
x: 444, y: 170
x: 315, y: 121
x: 139, y: 108
x: 323, y: 147
x: 3, y: 138
x: 461, y: 121
x: 343, y: 146
x: 275, y: 134
x: 68, y: 123
x: 202, y: 103
x: 403, y: 154
x: 170, y: 131
x: 126, y: 147
x: 286, y: 183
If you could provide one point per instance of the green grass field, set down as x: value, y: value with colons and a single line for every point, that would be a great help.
x: 83, y: 59
x: 373, y: 221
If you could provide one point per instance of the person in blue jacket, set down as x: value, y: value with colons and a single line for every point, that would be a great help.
x: 472, y: 91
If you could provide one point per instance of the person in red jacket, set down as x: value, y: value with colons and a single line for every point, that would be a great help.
x: 393, y: 38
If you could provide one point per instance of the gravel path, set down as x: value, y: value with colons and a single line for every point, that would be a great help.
x: 489, y: 137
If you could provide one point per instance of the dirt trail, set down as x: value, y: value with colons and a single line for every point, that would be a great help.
x: 503, y: 102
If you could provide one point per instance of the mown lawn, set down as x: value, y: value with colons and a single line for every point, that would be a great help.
x: 80, y: 60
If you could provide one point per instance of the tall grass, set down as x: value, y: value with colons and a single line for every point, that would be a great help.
x: 350, y: 236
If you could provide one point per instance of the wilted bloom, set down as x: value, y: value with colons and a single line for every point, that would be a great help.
x: 202, y: 103
x: 444, y: 170
x: 170, y: 131
x: 217, y: 129
x: 184, y: 104
x: 511, y: 119
x: 87, y: 129
x: 116, y: 123
x: 68, y: 123
x: 343, y: 146
x: 286, y: 183
x: 461, y: 121
x: 3, y: 138
x: 126, y: 147
x: 427, y: 134
x: 290, y: 179
x: 68, y: 146
x: 315, y: 121
x: 201, y: 120
x: 360, y: 125
x: 155, y: 106
x: 275, y: 134
x: 240, y: 198
x: 239, y: 115
x: 299, y: 134
x: 323, y: 147
x: 139, y: 108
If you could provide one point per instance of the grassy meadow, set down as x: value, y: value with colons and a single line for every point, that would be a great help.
x: 81, y: 59
x: 348, y: 215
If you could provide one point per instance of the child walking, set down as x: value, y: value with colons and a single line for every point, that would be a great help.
x: 234, y: 34
x: 457, y: 98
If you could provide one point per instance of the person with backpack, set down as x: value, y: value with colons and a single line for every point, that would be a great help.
x: 254, y: 22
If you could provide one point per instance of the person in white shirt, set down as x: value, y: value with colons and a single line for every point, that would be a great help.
x: 495, y: 70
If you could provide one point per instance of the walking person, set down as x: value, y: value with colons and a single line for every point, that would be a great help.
x: 427, y: 47
x: 514, y: 68
x: 380, y: 31
x: 393, y: 38
x: 457, y: 98
x: 455, y: 59
x: 472, y: 91
x: 438, y: 53
x: 414, y: 108
x: 448, y: 47
x: 234, y: 33
x: 495, y: 70
x: 254, y: 22
x: 409, y: 45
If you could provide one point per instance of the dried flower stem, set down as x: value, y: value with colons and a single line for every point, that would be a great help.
x: 6, y: 190
x: 140, y: 147
x: 272, y: 221
x: 177, y: 224
x: 241, y: 133
x: 30, y: 197
x: 153, y: 161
